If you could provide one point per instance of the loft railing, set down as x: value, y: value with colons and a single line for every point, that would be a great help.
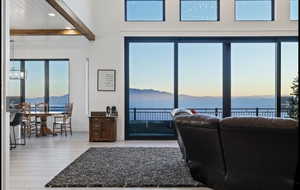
x: 164, y: 114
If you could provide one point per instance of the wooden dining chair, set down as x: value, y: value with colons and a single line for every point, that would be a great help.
x: 30, y: 122
x: 63, y: 121
x: 40, y: 107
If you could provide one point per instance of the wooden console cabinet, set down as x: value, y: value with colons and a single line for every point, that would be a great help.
x: 103, y: 129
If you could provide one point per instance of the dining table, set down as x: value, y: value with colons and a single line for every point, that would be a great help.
x: 43, y: 115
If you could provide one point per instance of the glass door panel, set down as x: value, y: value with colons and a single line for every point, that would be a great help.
x: 58, y: 84
x: 151, y: 87
x: 200, y: 77
x: 253, y: 79
x: 289, y: 74
x: 35, y: 81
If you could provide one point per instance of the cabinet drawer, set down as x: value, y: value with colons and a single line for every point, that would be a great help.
x: 102, y: 129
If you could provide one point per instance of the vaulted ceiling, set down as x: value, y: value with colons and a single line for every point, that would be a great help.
x: 45, y: 17
x: 33, y: 14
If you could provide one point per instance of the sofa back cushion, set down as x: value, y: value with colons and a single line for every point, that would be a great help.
x: 180, y: 111
x: 260, y: 152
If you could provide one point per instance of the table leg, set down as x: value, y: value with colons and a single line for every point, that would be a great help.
x: 44, y: 129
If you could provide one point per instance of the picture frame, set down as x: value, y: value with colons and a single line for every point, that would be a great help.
x: 106, y: 80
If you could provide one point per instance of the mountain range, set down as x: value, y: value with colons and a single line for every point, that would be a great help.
x: 150, y: 98
x: 54, y: 100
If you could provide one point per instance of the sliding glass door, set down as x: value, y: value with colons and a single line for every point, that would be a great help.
x: 217, y: 76
x: 289, y: 77
x: 200, y: 77
x: 151, y: 88
x: 253, y: 79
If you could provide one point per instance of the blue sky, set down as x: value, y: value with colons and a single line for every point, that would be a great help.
x: 144, y: 10
x: 148, y: 10
x: 200, y: 65
x: 35, y: 79
x: 253, y: 9
x: 294, y: 6
x: 200, y: 68
x: 199, y: 10
x: 34, y: 82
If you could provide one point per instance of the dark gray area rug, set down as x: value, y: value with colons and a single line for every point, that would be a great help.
x: 126, y: 167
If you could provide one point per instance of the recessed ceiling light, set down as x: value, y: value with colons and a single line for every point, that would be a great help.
x: 51, y: 14
x: 68, y: 28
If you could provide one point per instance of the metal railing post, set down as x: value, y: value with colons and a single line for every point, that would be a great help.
x: 134, y: 113
x: 256, y: 111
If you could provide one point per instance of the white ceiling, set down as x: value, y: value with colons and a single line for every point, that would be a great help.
x: 33, y: 14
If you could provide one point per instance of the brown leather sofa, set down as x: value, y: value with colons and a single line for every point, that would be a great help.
x: 175, y: 113
x: 201, y: 139
x: 260, y: 153
x: 241, y: 153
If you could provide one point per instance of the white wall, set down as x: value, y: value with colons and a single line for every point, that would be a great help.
x: 74, y: 48
x: 82, y: 10
x: 107, y: 52
x: 4, y: 115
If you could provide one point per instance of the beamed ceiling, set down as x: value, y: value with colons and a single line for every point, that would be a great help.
x: 33, y: 14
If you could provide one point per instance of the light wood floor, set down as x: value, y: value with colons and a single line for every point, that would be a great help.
x: 35, y: 164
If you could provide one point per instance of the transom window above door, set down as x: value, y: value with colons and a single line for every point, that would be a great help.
x: 294, y: 9
x: 144, y: 10
x: 199, y: 10
x: 254, y: 10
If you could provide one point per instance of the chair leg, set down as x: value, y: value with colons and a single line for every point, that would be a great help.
x: 24, y: 133
x: 70, y: 129
x: 53, y: 129
x: 61, y: 129
x: 13, y: 144
x: 29, y: 130
x: 65, y: 126
x: 10, y: 142
x: 15, y: 136
x: 36, y: 130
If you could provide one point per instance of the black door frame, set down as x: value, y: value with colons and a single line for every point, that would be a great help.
x: 226, y: 41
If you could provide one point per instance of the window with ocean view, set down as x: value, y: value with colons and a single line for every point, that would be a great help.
x: 151, y: 88
x: 200, y: 77
x: 45, y: 81
x: 199, y: 10
x: 58, y: 83
x: 34, y: 81
x: 220, y: 77
x: 253, y: 79
x: 289, y: 73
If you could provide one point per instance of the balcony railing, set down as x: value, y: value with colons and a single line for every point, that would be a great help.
x: 164, y: 114
x: 55, y: 108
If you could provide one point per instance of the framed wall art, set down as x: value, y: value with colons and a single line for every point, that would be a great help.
x: 106, y: 80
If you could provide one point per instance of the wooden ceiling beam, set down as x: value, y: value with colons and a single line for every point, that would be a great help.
x: 61, y: 7
x: 44, y: 32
